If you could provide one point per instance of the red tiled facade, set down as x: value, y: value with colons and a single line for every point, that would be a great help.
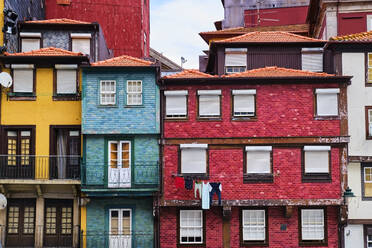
x: 285, y: 119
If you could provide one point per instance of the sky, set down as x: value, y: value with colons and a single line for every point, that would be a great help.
x: 175, y: 26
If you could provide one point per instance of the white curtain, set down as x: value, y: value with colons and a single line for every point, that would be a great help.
x: 61, y: 154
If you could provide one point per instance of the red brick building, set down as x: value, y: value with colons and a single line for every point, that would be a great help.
x: 125, y: 23
x: 274, y: 138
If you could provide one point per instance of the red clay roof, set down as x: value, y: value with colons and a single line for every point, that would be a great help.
x: 48, y: 51
x: 269, y: 36
x: 189, y: 73
x: 363, y: 36
x: 274, y: 71
x: 302, y: 28
x: 58, y: 21
x: 123, y: 60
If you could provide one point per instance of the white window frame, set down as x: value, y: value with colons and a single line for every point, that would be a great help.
x: 101, y: 93
x: 259, y: 149
x: 120, y: 219
x: 244, y: 93
x: 131, y: 94
x: 369, y: 69
x: 314, y: 226
x: 253, y: 226
x: 194, y: 147
x: 365, y: 175
x: 313, y: 54
x: 209, y: 93
x: 200, y: 227
x: 309, y: 149
x: 234, y: 69
x: 119, y: 152
x: 182, y: 95
x: 369, y: 25
x: 329, y: 91
x: 234, y: 66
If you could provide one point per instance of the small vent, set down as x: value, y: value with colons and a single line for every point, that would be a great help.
x: 64, y: 2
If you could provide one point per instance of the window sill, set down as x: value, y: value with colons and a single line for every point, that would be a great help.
x: 326, y: 118
x: 258, y: 178
x: 191, y: 245
x: 134, y: 106
x: 366, y: 198
x: 66, y: 97
x: 195, y: 176
x: 316, y: 178
x: 313, y: 243
x: 254, y: 243
x: 368, y: 84
x: 199, y: 118
x: 107, y: 106
x: 245, y: 118
x: 21, y: 97
x: 176, y: 119
x: 369, y: 137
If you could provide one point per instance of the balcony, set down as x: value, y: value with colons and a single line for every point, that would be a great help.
x: 39, y: 167
x: 141, y: 175
x: 116, y: 240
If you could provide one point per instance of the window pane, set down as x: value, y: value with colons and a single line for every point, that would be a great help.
x: 209, y: 105
x: 244, y: 105
x: 134, y: 92
x: 317, y: 162
x: 51, y: 220
x: 312, y: 224
x: 191, y: 226
x: 193, y: 160
x: 81, y: 45
x: 113, y: 154
x: 258, y: 162
x: 13, y: 219
x: 114, y: 222
x: 327, y: 104
x: 254, y: 225
x: 126, y: 223
x: 108, y: 92
x: 176, y: 106
x: 28, y: 220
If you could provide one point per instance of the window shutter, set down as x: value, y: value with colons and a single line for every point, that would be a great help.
x: 258, y: 159
x: 327, y: 102
x: 244, y: 104
x: 193, y: 159
x: 30, y: 44
x: 81, y: 45
x: 236, y: 59
x: 23, y: 80
x: 66, y: 81
x: 209, y: 105
x: 317, y: 159
x: 312, y: 59
x: 176, y: 105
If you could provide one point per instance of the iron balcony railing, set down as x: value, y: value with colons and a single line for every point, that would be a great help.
x: 141, y: 174
x: 117, y: 240
x: 39, y: 167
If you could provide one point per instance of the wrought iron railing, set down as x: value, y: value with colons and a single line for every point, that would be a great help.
x: 115, y: 240
x: 39, y: 167
x: 140, y: 174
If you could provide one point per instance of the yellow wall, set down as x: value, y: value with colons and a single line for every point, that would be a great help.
x: 83, y: 221
x: 42, y: 113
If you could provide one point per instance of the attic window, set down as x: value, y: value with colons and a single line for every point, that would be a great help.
x: 81, y: 43
x: 30, y: 41
x: 235, y: 60
x: 312, y: 59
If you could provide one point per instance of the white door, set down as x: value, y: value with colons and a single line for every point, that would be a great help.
x: 120, y: 228
x: 119, y: 169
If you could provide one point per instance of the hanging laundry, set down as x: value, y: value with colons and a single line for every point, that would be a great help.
x: 198, y: 190
x: 205, y: 195
x: 215, y: 188
x: 179, y: 182
x: 188, y: 183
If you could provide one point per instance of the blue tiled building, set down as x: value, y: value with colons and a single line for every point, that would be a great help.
x: 120, y: 172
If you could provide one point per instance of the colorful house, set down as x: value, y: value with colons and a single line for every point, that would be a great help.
x: 40, y: 148
x: 120, y: 174
x: 273, y: 138
x: 353, y: 56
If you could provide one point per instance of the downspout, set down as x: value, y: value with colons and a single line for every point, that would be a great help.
x: 337, y: 12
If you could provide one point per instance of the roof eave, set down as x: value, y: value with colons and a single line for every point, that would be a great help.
x: 239, y: 44
x: 75, y: 26
x: 42, y: 59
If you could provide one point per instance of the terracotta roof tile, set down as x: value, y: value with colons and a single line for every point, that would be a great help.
x: 189, y: 73
x: 363, y: 36
x: 58, y: 21
x: 123, y: 60
x: 274, y: 71
x: 48, y: 51
x: 286, y: 28
x: 269, y: 36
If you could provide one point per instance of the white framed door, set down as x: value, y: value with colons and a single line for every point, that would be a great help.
x: 120, y: 228
x: 119, y: 168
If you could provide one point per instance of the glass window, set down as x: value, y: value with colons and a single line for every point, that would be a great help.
x: 209, y: 103
x: 317, y: 159
x: 176, y: 103
x: 23, y: 81
x: 134, y: 93
x: 108, y: 92
x: 327, y: 102
x: 191, y: 226
x: 244, y: 103
x: 66, y: 81
x: 258, y: 159
x: 312, y: 224
x: 254, y: 225
x: 367, y: 171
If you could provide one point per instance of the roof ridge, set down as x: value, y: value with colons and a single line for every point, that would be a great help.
x: 38, y: 51
x: 351, y: 36
x: 119, y: 58
x: 186, y: 73
x: 61, y: 20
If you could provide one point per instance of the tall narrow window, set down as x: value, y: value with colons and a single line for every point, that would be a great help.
x: 194, y: 158
x: 108, y: 92
x: 119, y: 168
x: 66, y: 79
x: 367, y: 181
x: 81, y: 43
x: 369, y: 122
x: 244, y: 103
x: 312, y: 226
x: 191, y: 227
x: 369, y: 69
x: 134, y: 92
x: 254, y: 226
x: 30, y: 41
x: 327, y: 102
x: 23, y: 79
x: 176, y: 103
x: 209, y: 103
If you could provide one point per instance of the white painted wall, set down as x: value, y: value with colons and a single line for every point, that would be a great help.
x: 358, y: 96
x: 354, y: 236
x: 358, y: 209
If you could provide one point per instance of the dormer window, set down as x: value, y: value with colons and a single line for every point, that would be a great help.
x: 81, y: 43
x: 30, y: 41
x: 312, y: 59
x: 235, y: 60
